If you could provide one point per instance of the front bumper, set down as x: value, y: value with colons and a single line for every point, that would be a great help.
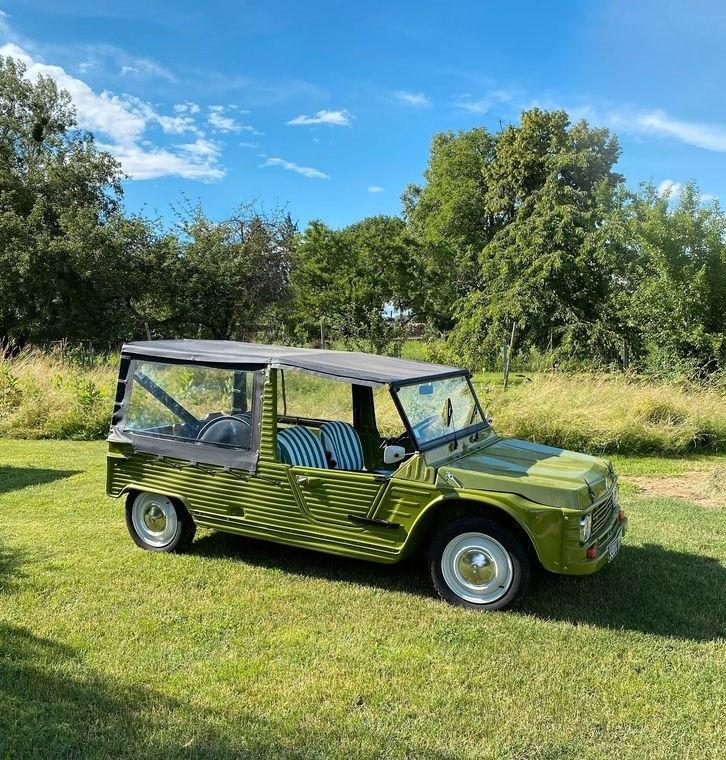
x: 576, y: 562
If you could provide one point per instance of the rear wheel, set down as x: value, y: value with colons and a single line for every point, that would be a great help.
x: 477, y: 562
x: 158, y: 524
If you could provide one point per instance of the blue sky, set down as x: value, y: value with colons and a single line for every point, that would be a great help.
x: 329, y: 107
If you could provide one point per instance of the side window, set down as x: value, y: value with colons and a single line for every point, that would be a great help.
x: 388, y: 420
x: 302, y: 395
x: 191, y: 403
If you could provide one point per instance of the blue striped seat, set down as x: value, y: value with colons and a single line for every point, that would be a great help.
x: 343, y: 443
x: 298, y: 446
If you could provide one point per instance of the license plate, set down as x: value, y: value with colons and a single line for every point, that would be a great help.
x: 614, y: 546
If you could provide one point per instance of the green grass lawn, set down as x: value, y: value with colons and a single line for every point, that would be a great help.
x: 246, y: 649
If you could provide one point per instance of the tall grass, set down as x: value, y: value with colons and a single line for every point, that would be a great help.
x: 48, y: 395
x: 609, y: 413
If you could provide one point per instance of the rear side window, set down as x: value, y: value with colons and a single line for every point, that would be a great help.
x: 191, y: 403
x: 300, y: 394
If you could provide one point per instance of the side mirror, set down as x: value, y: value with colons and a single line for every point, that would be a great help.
x: 393, y: 454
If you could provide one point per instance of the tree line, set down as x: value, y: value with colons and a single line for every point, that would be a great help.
x: 525, y: 234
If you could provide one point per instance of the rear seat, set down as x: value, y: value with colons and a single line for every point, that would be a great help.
x: 299, y: 447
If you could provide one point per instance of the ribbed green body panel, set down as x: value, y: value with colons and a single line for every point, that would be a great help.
x: 272, y: 504
x: 312, y: 508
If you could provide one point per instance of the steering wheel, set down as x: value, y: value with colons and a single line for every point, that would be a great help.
x: 228, y: 430
x: 425, y: 424
x: 404, y: 437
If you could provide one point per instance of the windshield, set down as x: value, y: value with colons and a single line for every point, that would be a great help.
x: 440, y: 408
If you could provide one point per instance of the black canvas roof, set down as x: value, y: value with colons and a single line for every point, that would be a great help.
x: 352, y: 366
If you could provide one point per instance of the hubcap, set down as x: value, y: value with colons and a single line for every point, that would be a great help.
x: 154, y: 519
x: 477, y: 568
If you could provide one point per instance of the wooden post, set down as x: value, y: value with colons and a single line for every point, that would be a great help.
x: 322, y: 334
x: 505, y: 362
x: 508, y: 356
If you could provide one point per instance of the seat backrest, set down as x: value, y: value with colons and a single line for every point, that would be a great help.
x: 343, y: 443
x: 298, y: 446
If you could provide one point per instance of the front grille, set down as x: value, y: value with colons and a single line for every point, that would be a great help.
x: 601, y: 514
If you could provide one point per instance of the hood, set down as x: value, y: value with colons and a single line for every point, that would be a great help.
x: 546, y: 475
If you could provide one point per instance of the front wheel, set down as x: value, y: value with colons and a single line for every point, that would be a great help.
x: 476, y: 562
x: 158, y: 524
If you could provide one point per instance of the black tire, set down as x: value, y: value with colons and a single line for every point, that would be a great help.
x: 179, y: 526
x: 483, y: 546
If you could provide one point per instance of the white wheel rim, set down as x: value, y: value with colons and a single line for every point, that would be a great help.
x: 477, y: 568
x: 154, y: 519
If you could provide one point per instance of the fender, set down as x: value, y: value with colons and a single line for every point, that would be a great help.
x: 534, y: 520
x: 162, y: 491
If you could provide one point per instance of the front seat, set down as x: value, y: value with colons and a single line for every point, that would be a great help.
x: 343, y: 443
x: 299, y: 447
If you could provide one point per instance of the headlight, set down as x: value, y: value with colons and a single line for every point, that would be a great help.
x: 585, y: 528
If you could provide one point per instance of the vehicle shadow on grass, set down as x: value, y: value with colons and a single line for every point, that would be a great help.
x: 15, y: 478
x: 408, y: 576
x: 52, y: 704
x: 647, y: 588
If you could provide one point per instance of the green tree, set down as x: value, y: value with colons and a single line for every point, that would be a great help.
x: 222, y: 279
x: 449, y: 215
x: 359, y: 281
x: 534, y: 248
x: 677, y: 304
x: 59, y: 198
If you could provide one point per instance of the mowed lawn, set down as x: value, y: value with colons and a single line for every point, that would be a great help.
x: 247, y: 649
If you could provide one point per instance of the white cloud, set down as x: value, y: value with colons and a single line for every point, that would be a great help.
x: 658, y: 123
x: 250, y: 145
x: 415, y: 99
x: 152, y: 162
x: 142, y: 68
x: 222, y: 123
x: 375, y: 189
x: 332, y: 118
x: 485, y: 103
x: 120, y: 123
x: 706, y: 136
x: 219, y: 121
x: 186, y: 107
x: 670, y: 188
x: 306, y: 171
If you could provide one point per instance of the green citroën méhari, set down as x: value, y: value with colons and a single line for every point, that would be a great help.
x: 402, y: 459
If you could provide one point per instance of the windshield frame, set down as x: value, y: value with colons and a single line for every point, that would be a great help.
x: 448, y: 437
